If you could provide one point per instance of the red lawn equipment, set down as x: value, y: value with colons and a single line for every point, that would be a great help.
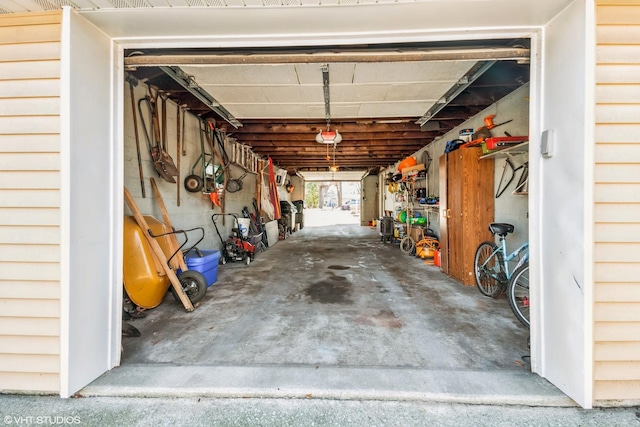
x: 236, y: 247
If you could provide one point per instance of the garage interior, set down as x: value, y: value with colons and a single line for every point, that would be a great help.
x: 333, y: 299
x: 333, y: 313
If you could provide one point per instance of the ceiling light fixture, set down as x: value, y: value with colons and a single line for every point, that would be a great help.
x: 328, y: 137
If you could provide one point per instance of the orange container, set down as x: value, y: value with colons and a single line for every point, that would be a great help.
x: 406, y: 163
x: 436, y: 258
x: 144, y: 284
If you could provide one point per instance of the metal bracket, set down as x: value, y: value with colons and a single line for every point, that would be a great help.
x: 187, y: 82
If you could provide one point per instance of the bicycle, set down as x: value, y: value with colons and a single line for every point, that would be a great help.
x: 518, y: 293
x: 491, y: 267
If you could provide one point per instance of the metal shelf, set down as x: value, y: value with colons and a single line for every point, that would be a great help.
x: 417, y: 205
x: 522, y: 148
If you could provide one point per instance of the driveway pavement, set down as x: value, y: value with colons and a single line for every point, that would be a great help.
x: 132, y: 412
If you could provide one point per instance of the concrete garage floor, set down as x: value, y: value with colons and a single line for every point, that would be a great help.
x: 333, y: 312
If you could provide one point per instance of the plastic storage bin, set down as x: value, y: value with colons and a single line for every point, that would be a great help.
x: 207, y: 264
x: 243, y: 226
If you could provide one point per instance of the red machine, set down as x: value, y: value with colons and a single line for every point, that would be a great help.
x: 236, y: 247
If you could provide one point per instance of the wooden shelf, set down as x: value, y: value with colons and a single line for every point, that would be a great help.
x: 513, y: 150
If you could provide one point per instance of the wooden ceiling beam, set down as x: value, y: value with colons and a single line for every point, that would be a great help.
x: 314, y: 158
x: 480, y: 53
x: 346, y: 137
x: 380, y: 145
x: 312, y: 128
x: 322, y: 155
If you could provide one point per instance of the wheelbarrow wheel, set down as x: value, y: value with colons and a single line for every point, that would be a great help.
x: 194, y: 284
x: 193, y: 183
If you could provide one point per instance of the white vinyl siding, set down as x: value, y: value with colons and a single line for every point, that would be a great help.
x: 617, y: 203
x: 30, y: 202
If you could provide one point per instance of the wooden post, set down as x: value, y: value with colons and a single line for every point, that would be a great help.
x: 178, y: 260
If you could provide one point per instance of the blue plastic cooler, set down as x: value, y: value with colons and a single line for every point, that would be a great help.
x: 207, y: 264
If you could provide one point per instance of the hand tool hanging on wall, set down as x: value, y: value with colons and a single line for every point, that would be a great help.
x: 184, y: 115
x: 484, y: 132
x: 232, y: 185
x: 135, y: 131
x: 162, y: 161
x: 209, y: 128
x: 524, y: 176
x: 178, y: 143
x: 488, y: 122
x: 163, y: 121
x: 273, y: 191
x: 223, y: 151
x: 193, y: 182
x: 221, y: 174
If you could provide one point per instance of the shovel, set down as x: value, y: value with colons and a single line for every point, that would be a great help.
x: 162, y: 161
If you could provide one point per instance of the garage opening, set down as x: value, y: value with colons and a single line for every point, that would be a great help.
x: 340, y: 296
x: 332, y: 203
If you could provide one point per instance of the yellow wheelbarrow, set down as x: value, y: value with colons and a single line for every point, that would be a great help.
x: 154, y: 262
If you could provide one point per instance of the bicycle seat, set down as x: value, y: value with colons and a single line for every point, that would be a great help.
x: 500, y: 228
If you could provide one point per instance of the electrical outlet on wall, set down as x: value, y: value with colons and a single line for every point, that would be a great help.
x: 546, y: 143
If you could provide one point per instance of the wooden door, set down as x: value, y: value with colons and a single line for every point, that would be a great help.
x: 455, y: 201
x: 477, y: 208
x: 466, y: 209
x: 444, y: 244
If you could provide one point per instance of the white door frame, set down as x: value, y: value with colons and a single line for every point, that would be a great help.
x: 537, y: 63
x: 532, y: 33
x: 87, y: 240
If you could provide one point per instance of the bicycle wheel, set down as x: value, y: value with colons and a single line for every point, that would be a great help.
x: 489, y: 269
x: 518, y: 294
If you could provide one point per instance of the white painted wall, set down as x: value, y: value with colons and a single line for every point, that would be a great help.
x: 87, y: 144
x: 369, y: 194
x: 195, y: 209
x: 562, y: 206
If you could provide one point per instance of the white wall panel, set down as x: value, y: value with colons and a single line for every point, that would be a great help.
x: 87, y: 203
x: 563, y: 289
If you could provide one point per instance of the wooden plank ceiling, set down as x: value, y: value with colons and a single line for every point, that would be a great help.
x: 375, y: 99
